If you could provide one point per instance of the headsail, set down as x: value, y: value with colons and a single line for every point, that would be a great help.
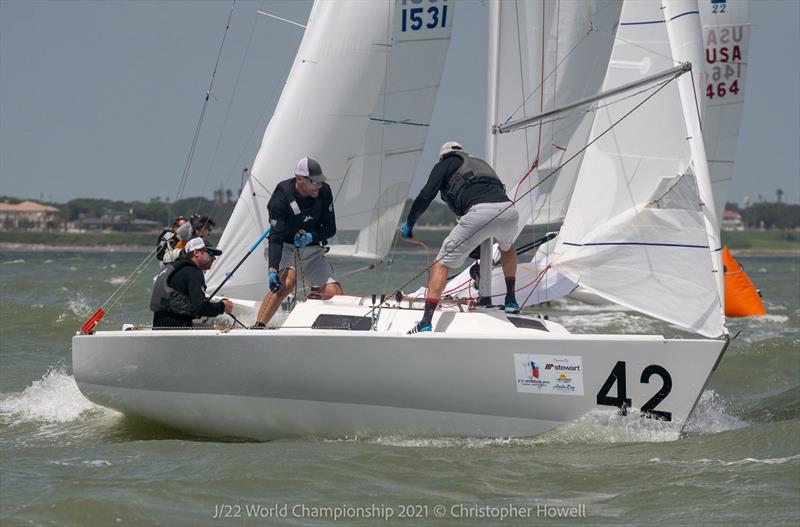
x: 358, y: 99
x: 640, y: 230
x: 544, y: 55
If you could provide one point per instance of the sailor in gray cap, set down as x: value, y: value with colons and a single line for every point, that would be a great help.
x: 302, y: 219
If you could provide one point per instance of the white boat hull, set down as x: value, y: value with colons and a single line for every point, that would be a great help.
x: 339, y: 383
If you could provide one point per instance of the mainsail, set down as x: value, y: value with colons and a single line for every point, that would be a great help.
x: 641, y: 229
x: 726, y: 33
x: 358, y: 99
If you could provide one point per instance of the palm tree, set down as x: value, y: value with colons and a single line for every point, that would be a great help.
x: 779, y: 192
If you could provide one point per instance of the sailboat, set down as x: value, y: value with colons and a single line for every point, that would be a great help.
x: 358, y: 98
x: 726, y: 37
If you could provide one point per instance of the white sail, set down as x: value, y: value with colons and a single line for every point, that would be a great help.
x: 544, y: 55
x: 358, y: 99
x: 639, y: 230
x: 726, y: 33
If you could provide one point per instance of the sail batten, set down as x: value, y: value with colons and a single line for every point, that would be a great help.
x: 358, y: 99
x: 639, y: 231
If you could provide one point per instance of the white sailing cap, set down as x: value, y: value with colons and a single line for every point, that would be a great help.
x: 198, y: 243
x: 311, y: 169
x: 450, y: 146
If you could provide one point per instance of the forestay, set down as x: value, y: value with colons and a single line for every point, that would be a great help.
x: 640, y: 229
x: 544, y: 55
x: 358, y: 99
x: 726, y: 34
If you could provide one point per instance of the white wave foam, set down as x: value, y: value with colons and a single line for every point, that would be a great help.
x: 71, y: 462
x: 10, y: 262
x: 745, y: 461
x: 116, y: 280
x: 79, y: 305
x: 598, y: 426
x: 451, y: 442
x: 571, y: 305
x: 710, y: 416
x: 72, y: 268
x: 54, y: 398
x: 768, y: 461
x: 773, y: 319
x: 48, y: 261
x: 625, y: 322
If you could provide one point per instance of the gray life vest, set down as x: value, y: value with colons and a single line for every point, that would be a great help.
x: 166, y: 298
x: 472, y: 170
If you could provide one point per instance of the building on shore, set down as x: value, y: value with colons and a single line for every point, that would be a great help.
x: 731, y: 221
x: 28, y: 215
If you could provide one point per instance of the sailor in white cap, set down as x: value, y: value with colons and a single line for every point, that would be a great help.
x: 472, y: 190
x: 302, y: 219
x: 179, y: 293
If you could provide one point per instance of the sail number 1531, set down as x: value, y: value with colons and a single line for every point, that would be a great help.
x: 424, y: 16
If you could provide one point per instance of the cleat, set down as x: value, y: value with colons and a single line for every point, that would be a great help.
x: 258, y: 325
x: 419, y: 327
x: 512, y: 307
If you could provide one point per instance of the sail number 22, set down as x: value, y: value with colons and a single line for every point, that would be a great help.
x: 621, y: 400
x: 419, y: 14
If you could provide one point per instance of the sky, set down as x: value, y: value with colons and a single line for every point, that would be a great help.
x: 101, y: 99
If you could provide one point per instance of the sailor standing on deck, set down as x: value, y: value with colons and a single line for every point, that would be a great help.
x: 302, y: 219
x: 179, y: 294
x: 472, y: 190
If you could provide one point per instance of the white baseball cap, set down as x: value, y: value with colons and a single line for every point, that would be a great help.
x: 311, y: 169
x: 450, y: 146
x: 198, y: 243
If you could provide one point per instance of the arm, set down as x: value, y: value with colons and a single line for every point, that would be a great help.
x: 190, y: 279
x: 428, y: 192
x: 327, y: 222
x: 278, y: 211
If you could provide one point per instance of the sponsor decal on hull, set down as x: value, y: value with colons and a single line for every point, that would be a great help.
x: 548, y: 374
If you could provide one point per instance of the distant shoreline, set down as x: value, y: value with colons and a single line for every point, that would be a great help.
x: 46, y: 247
x: 42, y: 247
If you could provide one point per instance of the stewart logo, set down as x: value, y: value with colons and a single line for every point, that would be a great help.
x: 558, y: 367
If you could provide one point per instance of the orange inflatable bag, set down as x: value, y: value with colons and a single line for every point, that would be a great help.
x: 742, y: 299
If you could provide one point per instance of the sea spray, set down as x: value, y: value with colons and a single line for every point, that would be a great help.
x: 54, y: 398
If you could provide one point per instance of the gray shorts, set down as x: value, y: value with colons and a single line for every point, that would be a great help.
x: 313, y: 268
x: 473, y: 228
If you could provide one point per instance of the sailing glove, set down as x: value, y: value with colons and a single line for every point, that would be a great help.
x: 405, y: 230
x: 301, y: 239
x: 274, y: 282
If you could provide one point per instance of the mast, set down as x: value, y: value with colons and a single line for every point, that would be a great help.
x: 485, y: 284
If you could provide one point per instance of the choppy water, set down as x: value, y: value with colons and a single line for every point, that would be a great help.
x: 65, y: 461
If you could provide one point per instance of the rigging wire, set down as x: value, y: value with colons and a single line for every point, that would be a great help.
x: 193, y: 147
x: 590, y: 143
x: 228, y: 111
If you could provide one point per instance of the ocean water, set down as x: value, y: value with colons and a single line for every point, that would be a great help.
x: 66, y: 461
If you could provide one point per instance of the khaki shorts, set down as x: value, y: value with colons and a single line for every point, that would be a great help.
x: 312, y: 268
x: 480, y: 223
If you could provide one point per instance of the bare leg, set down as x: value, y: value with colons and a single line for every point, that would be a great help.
x: 436, y: 281
x: 271, y: 302
x: 509, y: 261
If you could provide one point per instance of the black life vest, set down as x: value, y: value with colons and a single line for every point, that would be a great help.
x: 472, y: 170
x: 166, y: 298
x: 306, y: 218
